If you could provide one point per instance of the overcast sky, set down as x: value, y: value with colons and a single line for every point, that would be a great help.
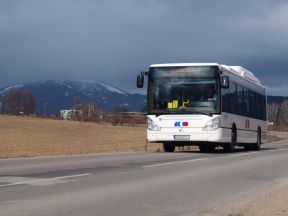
x: 112, y: 40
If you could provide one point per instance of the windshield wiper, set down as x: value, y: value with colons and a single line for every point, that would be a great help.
x: 179, y: 113
x: 164, y: 113
x: 197, y: 112
x: 204, y: 113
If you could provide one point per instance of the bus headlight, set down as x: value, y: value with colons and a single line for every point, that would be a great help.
x: 152, y: 125
x: 213, y: 124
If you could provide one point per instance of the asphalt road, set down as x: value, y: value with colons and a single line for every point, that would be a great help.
x: 180, y: 183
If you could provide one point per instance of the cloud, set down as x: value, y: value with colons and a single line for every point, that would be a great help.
x: 113, y: 40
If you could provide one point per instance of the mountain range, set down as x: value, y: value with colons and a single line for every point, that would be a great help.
x: 56, y: 95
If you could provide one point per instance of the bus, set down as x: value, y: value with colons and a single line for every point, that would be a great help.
x: 208, y: 105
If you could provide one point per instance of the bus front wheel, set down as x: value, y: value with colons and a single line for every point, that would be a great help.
x: 206, y: 148
x: 169, y: 147
x: 230, y: 147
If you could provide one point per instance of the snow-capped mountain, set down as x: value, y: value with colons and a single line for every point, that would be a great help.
x: 56, y: 95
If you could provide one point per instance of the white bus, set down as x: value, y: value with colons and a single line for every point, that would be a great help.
x: 204, y: 104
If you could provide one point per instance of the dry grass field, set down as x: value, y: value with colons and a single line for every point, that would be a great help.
x: 30, y: 137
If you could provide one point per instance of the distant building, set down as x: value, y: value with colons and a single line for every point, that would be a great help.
x: 70, y: 114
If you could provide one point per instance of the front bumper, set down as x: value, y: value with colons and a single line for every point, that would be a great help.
x: 195, y: 134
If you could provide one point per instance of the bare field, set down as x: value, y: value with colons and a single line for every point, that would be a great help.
x: 30, y: 137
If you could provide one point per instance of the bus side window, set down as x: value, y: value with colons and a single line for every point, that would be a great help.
x: 240, y: 101
x: 258, y: 106
x: 246, y: 103
x: 249, y: 108
x: 225, y: 100
x: 252, y: 103
x: 263, y: 107
x: 233, y: 98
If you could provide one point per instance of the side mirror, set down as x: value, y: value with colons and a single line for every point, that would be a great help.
x: 140, y: 81
x: 225, y: 82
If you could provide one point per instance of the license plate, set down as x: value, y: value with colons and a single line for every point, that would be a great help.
x: 181, y: 137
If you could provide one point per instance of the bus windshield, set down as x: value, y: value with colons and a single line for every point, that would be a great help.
x: 182, y: 90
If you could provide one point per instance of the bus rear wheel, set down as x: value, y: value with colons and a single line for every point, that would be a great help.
x: 168, y: 147
x: 257, y: 146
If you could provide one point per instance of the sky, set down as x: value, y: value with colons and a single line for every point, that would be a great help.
x: 113, y: 40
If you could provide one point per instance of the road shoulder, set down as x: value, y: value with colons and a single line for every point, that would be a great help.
x: 272, y: 200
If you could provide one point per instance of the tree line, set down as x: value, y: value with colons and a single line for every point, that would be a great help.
x: 89, y: 112
x: 18, y: 102
x: 278, y: 114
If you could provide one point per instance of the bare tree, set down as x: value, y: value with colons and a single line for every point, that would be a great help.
x: 282, y: 115
x: 12, y: 102
x: 278, y: 114
x: 77, y: 103
x: 28, y: 103
x: 90, y: 112
x: 16, y: 102
x: 272, y: 112
x: 120, y: 109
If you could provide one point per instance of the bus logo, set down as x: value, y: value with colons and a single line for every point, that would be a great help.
x: 179, y: 124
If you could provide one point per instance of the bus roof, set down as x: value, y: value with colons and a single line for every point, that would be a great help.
x: 237, y: 70
x: 242, y: 72
x: 184, y: 64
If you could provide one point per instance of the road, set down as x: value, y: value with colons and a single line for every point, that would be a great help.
x: 180, y: 183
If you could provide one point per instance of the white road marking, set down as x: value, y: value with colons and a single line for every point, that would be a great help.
x: 200, y: 159
x: 176, y: 162
x: 73, y: 176
x: 44, y: 180
x: 247, y: 153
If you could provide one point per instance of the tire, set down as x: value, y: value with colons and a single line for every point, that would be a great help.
x: 247, y: 147
x: 257, y: 146
x: 206, y: 148
x: 230, y: 147
x: 169, y: 147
